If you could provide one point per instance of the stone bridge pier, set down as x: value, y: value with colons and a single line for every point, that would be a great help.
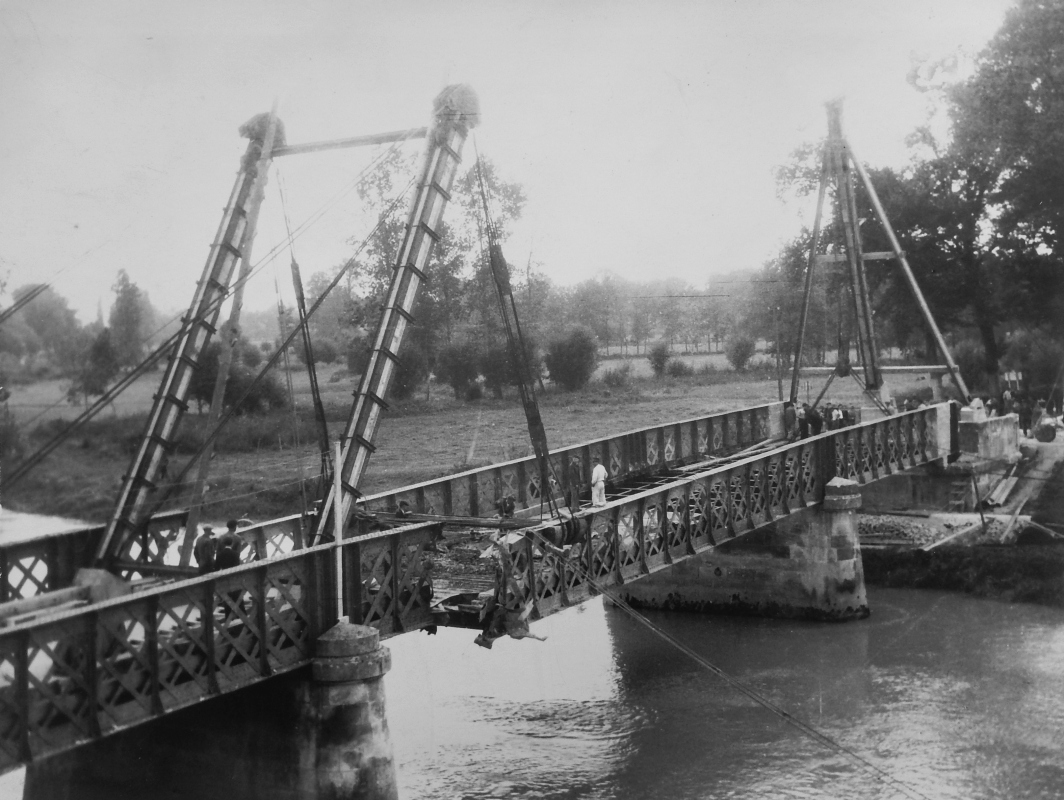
x: 804, y: 566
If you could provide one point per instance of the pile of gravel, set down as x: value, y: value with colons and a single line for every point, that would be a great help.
x: 875, y: 528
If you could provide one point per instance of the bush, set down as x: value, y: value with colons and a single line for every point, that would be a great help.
x: 357, y: 355
x: 571, y: 359
x: 414, y: 367
x: 496, y: 368
x: 616, y: 378
x: 244, y: 434
x: 677, y: 368
x: 659, y: 358
x: 267, y: 394
x: 325, y: 352
x: 250, y: 355
x: 456, y: 365
x: 739, y: 350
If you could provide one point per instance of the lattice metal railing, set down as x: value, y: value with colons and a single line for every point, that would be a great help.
x: 648, y: 531
x: 83, y: 674
x: 643, y: 451
x: 45, y: 564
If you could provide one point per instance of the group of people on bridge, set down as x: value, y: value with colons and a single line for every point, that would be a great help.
x: 222, y: 553
x: 800, y: 422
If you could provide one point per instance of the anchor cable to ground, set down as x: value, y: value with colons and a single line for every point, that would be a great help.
x: 803, y: 727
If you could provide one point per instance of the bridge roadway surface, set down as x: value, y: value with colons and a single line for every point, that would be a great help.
x: 74, y: 675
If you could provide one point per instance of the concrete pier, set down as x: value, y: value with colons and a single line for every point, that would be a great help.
x: 315, y: 734
x: 806, y: 566
x: 349, y: 753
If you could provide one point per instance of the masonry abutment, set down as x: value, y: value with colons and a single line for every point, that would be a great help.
x: 316, y: 734
x: 804, y: 566
x: 989, y: 449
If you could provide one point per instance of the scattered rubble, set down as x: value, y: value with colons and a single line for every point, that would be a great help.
x: 885, y: 529
x: 460, y: 559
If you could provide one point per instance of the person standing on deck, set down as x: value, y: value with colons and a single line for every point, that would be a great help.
x: 598, y: 483
x: 814, y: 419
x: 790, y: 421
x: 204, y: 550
x: 1023, y: 411
x: 229, y: 546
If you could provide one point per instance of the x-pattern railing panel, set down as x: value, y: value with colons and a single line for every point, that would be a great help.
x: 87, y: 672
x: 27, y: 576
x: 125, y: 664
x: 473, y: 493
x: 646, y: 531
x: 467, y: 494
x: 288, y: 615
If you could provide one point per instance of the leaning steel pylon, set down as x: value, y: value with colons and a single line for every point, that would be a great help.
x: 456, y: 112
x: 128, y: 524
x: 837, y: 167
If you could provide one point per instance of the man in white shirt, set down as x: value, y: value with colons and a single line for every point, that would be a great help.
x: 598, y: 483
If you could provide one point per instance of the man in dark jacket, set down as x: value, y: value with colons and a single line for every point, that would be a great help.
x: 229, y: 546
x: 204, y: 549
x: 814, y: 420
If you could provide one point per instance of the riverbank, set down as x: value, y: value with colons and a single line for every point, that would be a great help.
x: 1029, y: 568
x: 1032, y: 574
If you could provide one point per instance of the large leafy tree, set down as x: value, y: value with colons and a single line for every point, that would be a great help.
x: 459, y: 297
x: 54, y: 326
x: 130, y: 321
x: 979, y: 212
x: 982, y: 215
x: 99, y: 368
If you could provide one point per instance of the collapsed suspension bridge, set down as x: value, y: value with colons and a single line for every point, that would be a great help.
x: 103, y: 629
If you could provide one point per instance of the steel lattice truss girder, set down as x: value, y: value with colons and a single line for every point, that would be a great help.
x: 86, y: 673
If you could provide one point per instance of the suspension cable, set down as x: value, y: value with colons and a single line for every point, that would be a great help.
x: 212, y: 435
x: 308, y: 350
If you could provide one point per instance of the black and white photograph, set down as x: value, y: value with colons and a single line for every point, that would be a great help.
x: 590, y: 400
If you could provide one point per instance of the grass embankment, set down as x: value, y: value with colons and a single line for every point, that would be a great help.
x: 261, y: 461
x: 1001, y: 572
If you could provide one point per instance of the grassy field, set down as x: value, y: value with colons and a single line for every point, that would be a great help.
x: 261, y: 461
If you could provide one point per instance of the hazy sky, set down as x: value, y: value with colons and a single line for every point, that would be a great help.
x: 644, y: 133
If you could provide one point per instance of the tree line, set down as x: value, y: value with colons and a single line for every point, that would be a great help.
x: 978, y: 210
x: 44, y: 339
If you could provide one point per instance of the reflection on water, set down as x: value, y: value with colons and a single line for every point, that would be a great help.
x: 957, y: 697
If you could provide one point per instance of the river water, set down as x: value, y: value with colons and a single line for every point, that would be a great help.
x: 952, y: 696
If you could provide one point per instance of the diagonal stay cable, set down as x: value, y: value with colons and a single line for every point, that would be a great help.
x: 272, y: 361
x: 32, y: 461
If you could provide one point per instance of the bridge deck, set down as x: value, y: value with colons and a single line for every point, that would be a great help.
x: 85, y: 673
